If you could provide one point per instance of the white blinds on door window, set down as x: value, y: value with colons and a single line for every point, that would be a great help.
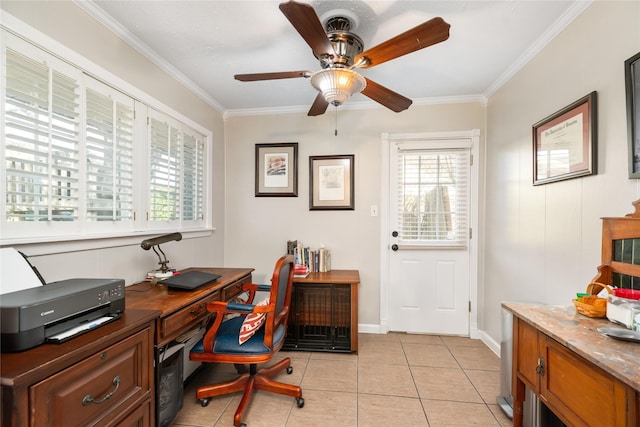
x: 433, y: 191
x: 42, y: 122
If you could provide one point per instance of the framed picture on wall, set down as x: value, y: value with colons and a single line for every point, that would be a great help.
x: 632, y: 84
x: 276, y: 170
x: 331, y: 182
x: 565, y: 143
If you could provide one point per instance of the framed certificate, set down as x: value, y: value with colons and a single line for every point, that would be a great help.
x: 565, y: 143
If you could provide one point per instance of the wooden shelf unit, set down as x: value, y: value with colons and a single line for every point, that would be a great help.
x: 324, y: 312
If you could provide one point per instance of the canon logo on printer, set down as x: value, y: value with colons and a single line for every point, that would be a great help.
x: 44, y: 313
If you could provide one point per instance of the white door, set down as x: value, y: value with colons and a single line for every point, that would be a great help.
x: 429, y: 226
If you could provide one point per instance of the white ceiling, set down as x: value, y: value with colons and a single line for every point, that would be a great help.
x: 204, y: 43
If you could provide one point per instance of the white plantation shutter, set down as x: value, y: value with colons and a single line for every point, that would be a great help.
x: 164, y: 202
x: 41, y: 138
x: 433, y: 191
x: 109, y: 155
x: 177, y: 172
x: 193, y: 167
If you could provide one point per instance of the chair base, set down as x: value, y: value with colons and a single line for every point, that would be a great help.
x: 249, y: 382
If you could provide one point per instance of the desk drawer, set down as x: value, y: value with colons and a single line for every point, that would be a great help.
x: 97, y: 390
x: 180, y: 320
x: 233, y: 289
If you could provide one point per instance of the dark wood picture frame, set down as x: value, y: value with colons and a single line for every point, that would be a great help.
x: 331, y: 182
x: 276, y: 173
x: 565, y: 143
x: 632, y: 86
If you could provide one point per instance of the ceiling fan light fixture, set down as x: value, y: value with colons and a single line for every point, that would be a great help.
x: 338, y: 84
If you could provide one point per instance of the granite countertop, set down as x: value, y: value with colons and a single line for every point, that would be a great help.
x: 619, y: 358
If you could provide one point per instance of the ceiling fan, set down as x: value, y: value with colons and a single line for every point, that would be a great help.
x: 340, y: 51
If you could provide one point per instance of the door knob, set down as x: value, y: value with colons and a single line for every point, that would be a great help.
x: 394, y: 234
x: 394, y: 247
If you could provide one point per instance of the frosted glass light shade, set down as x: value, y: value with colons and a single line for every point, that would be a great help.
x: 338, y: 84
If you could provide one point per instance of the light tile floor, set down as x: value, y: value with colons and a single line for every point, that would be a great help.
x: 395, y: 380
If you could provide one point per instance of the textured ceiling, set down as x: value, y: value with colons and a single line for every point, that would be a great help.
x: 204, y: 43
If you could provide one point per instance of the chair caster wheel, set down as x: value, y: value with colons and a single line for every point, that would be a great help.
x: 289, y: 370
x: 204, y: 402
x: 300, y: 402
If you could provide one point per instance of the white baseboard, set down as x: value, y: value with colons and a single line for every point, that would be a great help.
x: 490, y: 342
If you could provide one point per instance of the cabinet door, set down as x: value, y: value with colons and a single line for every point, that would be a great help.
x: 526, y: 356
x: 583, y: 393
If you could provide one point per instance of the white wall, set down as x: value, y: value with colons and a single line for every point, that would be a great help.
x: 67, y: 24
x: 543, y: 243
x: 259, y: 227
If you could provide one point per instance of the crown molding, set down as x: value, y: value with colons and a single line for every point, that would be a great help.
x: 556, y: 28
x: 96, y: 12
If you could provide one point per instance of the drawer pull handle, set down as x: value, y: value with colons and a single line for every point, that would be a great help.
x: 89, y: 399
x: 198, y: 311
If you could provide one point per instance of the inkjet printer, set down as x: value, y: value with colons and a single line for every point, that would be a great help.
x: 58, y: 311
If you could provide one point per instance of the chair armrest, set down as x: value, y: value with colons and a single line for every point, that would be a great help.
x: 237, y: 307
x: 252, y: 288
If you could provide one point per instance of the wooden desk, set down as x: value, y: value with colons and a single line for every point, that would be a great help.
x: 584, y: 377
x: 47, y: 385
x: 324, y: 312
x: 179, y: 310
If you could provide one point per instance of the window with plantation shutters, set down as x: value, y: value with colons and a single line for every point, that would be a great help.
x: 79, y: 156
x: 176, y: 171
x: 109, y: 155
x: 193, y: 167
x: 41, y: 140
x: 433, y: 190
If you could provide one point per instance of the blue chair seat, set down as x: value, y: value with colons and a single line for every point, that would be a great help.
x: 226, y: 341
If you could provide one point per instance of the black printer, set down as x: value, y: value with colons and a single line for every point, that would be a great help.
x: 58, y: 311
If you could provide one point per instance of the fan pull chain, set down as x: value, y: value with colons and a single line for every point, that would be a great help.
x: 335, y: 132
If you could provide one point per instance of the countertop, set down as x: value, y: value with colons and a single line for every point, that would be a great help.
x: 620, y: 359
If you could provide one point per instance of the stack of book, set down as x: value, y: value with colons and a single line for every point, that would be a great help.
x: 313, y: 260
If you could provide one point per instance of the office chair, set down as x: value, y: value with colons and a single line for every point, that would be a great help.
x: 244, y: 339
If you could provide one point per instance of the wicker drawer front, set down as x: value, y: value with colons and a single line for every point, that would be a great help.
x: 191, y: 314
x: 230, y: 291
x: 97, y: 390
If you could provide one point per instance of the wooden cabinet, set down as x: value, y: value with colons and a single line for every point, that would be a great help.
x: 324, y: 312
x: 102, y: 378
x: 578, y: 391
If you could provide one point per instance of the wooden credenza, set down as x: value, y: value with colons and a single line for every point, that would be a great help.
x: 104, y: 377
x: 324, y: 312
x: 584, y: 377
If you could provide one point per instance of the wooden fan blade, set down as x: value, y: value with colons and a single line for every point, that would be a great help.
x: 319, y: 106
x: 382, y: 95
x: 434, y: 31
x: 271, y: 76
x: 305, y: 20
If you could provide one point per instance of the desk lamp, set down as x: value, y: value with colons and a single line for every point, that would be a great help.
x: 154, y: 243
